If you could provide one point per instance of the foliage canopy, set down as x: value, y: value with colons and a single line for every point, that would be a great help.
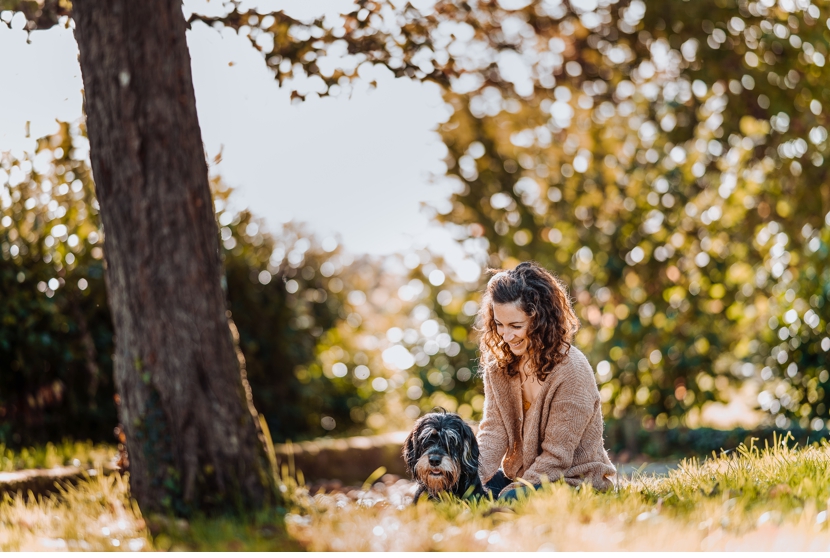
x: 667, y: 159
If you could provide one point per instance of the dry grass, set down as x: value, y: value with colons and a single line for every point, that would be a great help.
x: 752, y: 500
x: 773, y: 499
x: 96, y: 515
x: 67, y: 452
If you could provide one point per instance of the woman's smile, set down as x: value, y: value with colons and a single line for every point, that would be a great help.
x: 516, y: 344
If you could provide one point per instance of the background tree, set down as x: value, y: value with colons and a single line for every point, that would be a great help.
x: 641, y: 148
x: 286, y: 293
x: 191, y: 427
x: 55, y: 327
x: 666, y: 158
x: 55, y: 331
x: 190, y: 424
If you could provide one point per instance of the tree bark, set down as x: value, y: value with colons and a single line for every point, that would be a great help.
x: 192, y: 431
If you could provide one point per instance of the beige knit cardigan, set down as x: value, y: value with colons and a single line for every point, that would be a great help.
x: 560, y: 436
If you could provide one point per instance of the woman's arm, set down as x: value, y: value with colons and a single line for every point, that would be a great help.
x: 573, y: 405
x: 492, y: 434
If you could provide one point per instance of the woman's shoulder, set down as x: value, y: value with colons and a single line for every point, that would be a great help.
x: 576, y: 366
x: 577, y: 357
x: 489, y: 370
x: 485, y: 366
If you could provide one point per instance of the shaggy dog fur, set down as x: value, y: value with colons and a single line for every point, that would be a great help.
x: 441, y: 454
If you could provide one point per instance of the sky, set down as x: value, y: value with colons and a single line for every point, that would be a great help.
x: 360, y: 169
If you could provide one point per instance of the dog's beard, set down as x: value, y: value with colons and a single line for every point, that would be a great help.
x: 437, y: 479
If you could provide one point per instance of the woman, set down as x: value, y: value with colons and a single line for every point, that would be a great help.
x: 542, y: 412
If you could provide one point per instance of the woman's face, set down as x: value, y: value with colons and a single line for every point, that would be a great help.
x: 512, y: 325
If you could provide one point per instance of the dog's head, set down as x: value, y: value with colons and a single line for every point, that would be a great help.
x: 441, y: 453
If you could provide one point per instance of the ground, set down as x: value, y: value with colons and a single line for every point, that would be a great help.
x: 751, y: 499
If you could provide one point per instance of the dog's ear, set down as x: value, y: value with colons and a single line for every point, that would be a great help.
x: 470, y: 483
x: 410, y: 453
x: 470, y: 451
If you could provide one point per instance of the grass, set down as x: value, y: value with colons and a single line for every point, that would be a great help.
x: 67, y: 452
x: 98, y: 515
x: 95, y: 515
x: 751, y: 499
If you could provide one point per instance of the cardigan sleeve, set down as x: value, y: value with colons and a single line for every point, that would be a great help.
x: 571, y: 409
x: 492, y: 434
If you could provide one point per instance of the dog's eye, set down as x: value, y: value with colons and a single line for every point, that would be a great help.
x: 449, y: 442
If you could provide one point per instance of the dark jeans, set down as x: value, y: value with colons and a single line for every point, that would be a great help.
x: 495, y: 485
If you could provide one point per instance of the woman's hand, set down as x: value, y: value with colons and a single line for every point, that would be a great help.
x: 511, y: 486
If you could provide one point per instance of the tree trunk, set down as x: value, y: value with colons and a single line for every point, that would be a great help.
x: 192, y: 431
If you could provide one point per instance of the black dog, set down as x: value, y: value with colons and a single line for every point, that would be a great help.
x: 441, y: 454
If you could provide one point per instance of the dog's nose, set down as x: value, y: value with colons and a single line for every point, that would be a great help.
x: 435, y: 460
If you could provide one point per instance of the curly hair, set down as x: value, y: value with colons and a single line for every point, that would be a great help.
x: 553, y: 322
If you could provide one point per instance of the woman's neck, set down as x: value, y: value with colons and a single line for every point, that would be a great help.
x: 525, y: 366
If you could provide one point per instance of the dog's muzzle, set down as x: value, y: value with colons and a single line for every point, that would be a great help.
x: 437, y: 472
